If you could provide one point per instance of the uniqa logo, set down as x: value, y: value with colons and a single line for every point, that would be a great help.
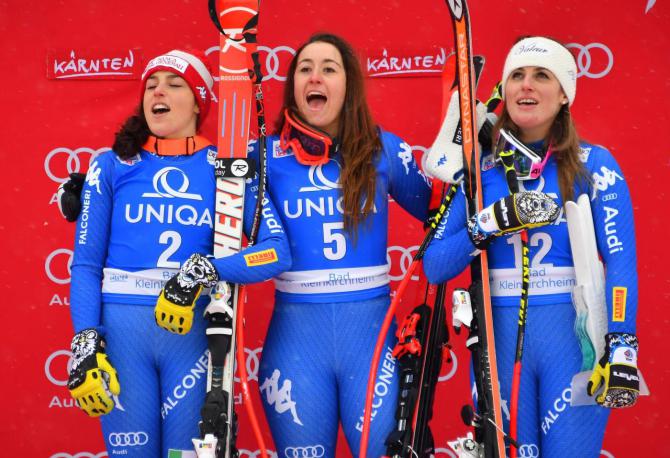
x: 163, y: 188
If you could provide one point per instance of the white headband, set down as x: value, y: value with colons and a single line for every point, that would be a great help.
x: 546, y: 53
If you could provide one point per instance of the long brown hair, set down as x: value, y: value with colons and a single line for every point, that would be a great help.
x: 357, y: 134
x: 564, y: 142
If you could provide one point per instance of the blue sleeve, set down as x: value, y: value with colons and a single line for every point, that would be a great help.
x: 615, y: 235
x: 270, y: 255
x: 91, y: 242
x: 407, y: 184
x: 451, y: 250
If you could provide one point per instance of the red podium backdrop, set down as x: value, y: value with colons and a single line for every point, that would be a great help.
x: 70, y: 74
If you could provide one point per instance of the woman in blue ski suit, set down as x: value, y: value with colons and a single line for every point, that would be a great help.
x: 539, y: 84
x: 147, y: 206
x: 330, y: 171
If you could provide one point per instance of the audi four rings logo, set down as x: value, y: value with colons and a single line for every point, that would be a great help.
x: 529, y: 451
x: 63, y: 370
x: 256, y: 453
x: 276, y: 61
x: 252, y: 363
x: 58, y: 266
x: 61, y: 162
x: 310, y: 451
x: 128, y: 439
x: 79, y: 455
x: 406, y: 255
x: 585, y: 60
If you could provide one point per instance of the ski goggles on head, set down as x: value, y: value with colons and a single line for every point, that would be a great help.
x: 309, y: 145
x: 528, y: 164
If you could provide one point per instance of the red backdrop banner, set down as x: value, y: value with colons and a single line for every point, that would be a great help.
x: 70, y: 76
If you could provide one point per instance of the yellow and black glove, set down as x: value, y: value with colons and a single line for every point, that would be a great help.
x: 174, y: 308
x: 513, y: 213
x: 93, y: 380
x: 616, y: 372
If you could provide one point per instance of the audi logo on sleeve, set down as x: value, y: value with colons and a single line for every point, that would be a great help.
x: 129, y: 439
x: 308, y: 451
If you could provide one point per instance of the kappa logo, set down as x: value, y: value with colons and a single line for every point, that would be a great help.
x: 280, y: 397
x: 163, y: 188
x: 93, y: 176
x: 602, y: 181
x: 405, y: 155
x: 320, y: 182
x: 130, y: 439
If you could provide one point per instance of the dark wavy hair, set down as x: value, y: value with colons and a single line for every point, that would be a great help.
x: 358, y: 135
x: 134, y: 133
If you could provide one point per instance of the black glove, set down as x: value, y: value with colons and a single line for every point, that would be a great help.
x: 513, y: 213
x: 69, y: 196
x: 174, y: 307
x: 617, y: 372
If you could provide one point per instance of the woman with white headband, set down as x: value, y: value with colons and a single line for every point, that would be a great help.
x: 552, y: 166
x: 146, y: 207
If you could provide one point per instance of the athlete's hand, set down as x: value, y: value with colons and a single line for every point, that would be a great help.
x: 92, y: 380
x: 69, y: 196
x: 518, y: 211
x: 174, y: 308
x: 617, y: 372
x: 444, y: 160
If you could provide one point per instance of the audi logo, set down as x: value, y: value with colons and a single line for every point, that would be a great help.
x: 59, y: 276
x: 252, y: 363
x: 585, y: 60
x: 404, y: 262
x: 128, y: 439
x: 49, y: 372
x: 60, y: 162
x: 529, y: 451
x: 310, y: 451
x: 276, y: 61
x: 256, y: 453
x: 453, y: 370
x: 79, y: 455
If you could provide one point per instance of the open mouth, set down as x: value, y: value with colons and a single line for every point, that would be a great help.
x: 316, y: 100
x: 527, y: 102
x: 160, y: 108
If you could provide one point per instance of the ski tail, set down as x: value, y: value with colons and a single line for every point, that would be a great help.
x: 237, y: 22
x: 482, y: 343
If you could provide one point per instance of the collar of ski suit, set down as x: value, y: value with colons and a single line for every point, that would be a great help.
x: 175, y: 146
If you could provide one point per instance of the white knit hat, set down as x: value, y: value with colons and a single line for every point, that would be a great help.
x: 546, y: 53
